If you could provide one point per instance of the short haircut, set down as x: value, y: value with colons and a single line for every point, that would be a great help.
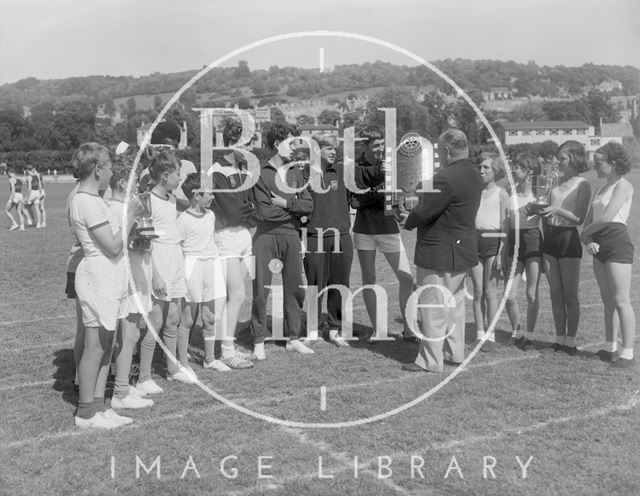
x: 371, y: 134
x: 577, y: 155
x: 10, y: 169
x: 529, y: 162
x: 615, y: 155
x: 455, y: 140
x: 325, y: 140
x: 496, y: 163
x: 121, y: 170
x: 232, y: 132
x: 163, y: 161
x: 191, y: 185
x: 89, y: 156
x: 277, y: 132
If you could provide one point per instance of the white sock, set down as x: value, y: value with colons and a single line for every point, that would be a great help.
x: 479, y: 333
x: 312, y: 335
x: 516, y: 333
x: 560, y: 340
x: 626, y: 353
x: 258, y: 348
x: 570, y: 341
x: 228, y: 351
x: 611, y: 346
x: 491, y: 336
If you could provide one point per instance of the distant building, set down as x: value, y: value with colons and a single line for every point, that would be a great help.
x: 513, y: 133
x: 609, y: 132
x: 309, y: 130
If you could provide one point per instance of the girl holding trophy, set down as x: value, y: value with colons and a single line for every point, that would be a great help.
x: 562, y: 251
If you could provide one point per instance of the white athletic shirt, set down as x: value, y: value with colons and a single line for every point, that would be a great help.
x: 526, y: 222
x: 197, y: 234
x: 88, y: 212
x: 565, y: 196
x: 488, y: 216
x: 600, y: 203
x: 75, y: 254
x: 164, y: 218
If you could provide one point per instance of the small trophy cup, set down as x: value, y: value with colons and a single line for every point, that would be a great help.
x: 143, y: 231
x: 541, y: 188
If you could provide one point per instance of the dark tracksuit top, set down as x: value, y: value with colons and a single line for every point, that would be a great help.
x: 231, y: 209
x: 277, y: 237
x: 327, y: 266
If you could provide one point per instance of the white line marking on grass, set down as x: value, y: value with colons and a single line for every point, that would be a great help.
x: 323, y: 398
x: 49, y: 382
x: 38, y: 347
x: 32, y: 321
x: 631, y: 403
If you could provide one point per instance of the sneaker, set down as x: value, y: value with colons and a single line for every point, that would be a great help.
x: 148, y: 387
x: 131, y: 401
x: 606, y: 356
x: 244, y: 356
x: 236, y: 363
x: 184, y: 376
x: 570, y: 350
x: 13, y: 228
x: 111, y: 415
x: 338, y: 340
x: 488, y: 347
x: 137, y: 392
x: 216, y: 365
x: 98, y: 421
x: 518, y: 341
x: 556, y: 346
x: 21, y: 228
x: 297, y: 345
x: 622, y: 363
x: 38, y: 226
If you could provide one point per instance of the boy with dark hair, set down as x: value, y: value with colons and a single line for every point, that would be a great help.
x: 278, y: 213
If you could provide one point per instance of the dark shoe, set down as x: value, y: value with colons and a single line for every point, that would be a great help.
x: 453, y: 364
x: 622, y: 363
x: 412, y: 367
x: 410, y: 338
x: 527, y: 345
x: 556, y: 346
x: 570, y: 350
x: 518, y: 342
x: 489, y: 347
x: 605, y: 356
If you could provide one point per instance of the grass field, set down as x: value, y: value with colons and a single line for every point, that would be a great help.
x: 576, y: 422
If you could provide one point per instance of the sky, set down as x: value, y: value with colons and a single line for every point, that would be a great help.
x: 51, y: 39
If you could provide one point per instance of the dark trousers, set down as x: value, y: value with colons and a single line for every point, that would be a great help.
x: 285, y: 248
x: 324, y: 266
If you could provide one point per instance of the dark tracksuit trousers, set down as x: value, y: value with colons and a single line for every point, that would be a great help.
x: 326, y: 266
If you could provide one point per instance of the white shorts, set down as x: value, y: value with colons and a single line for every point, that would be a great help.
x: 34, y: 197
x: 385, y: 243
x: 101, y: 286
x: 168, y: 261
x: 205, y: 280
x: 17, y: 198
x: 233, y: 242
x: 140, y: 266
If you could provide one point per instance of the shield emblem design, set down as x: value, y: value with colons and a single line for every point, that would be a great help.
x: 334, y: 184
x: 233, y: 181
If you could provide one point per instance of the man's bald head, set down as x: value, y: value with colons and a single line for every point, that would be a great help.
x: 456, y: 144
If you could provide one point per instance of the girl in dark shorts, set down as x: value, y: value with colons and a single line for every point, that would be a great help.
x: 490, y: 226
x: 607, y: 239
x: 529, y: 256
x: 562, y: 249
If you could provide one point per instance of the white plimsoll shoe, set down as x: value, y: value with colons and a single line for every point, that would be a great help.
x: 259, y: 353
x: 234, y: 362
x: 338, y: 340
x: 13, y: 228
x: 216, y: 365
x: 137, y: 392
x: 149, y: 387
x: 98, y: 421
x: 130, y: 401
x: 297, y: 345
x: 244, y: 356
x: 184, y: 376
x: 121, y: 419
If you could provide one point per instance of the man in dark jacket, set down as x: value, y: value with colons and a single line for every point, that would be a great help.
x: 446, y: 247
x: 277, y: 238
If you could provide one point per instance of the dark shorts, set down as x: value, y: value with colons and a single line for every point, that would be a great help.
x: 70, y: 290
x: 615, y: 244
x: 530, y: 244
x: 562, y: 242
x: 488, y: 245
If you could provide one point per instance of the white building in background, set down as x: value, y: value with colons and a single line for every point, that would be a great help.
x: 514, y: 133
x: 609, y: 132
